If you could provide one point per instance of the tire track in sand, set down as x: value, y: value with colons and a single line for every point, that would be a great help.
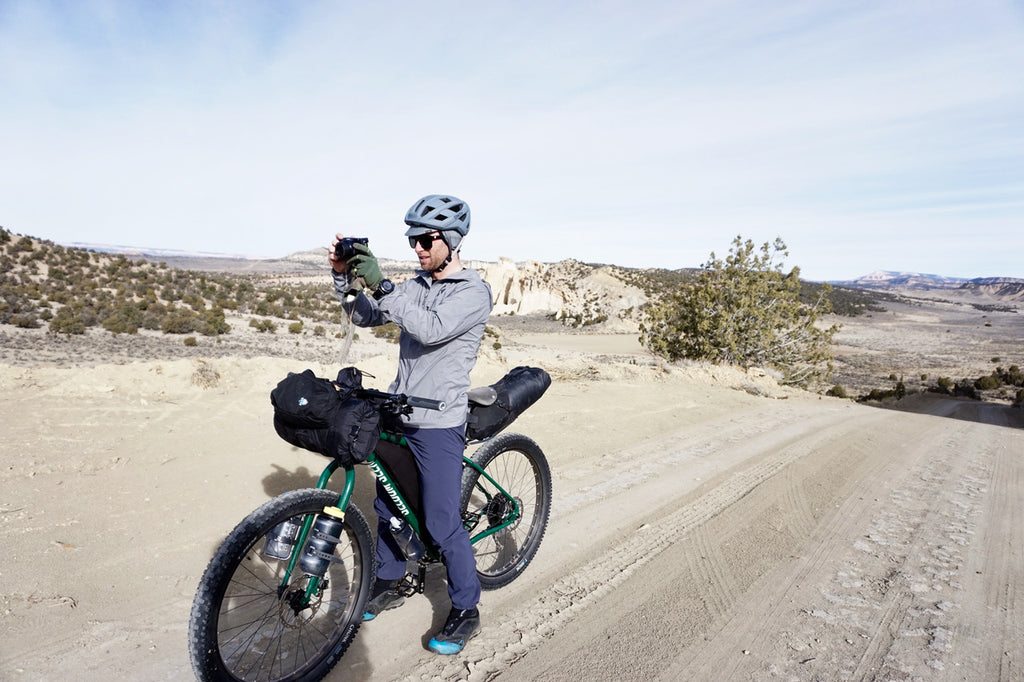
x: 527, y: 627
x: 892, y: 589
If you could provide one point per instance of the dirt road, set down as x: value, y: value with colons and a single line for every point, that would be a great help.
x: 792, y: 542
x: 698, y: 532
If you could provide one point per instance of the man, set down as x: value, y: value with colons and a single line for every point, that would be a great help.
x: 442, y: 312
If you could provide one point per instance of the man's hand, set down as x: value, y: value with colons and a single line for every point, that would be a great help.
x: 339, y: 266
x: 364, y: 264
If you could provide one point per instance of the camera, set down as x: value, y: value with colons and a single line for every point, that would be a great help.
x: 346, y: 247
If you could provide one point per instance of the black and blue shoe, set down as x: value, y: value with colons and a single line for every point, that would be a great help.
x: 462, y: 625
x: 385, y: 596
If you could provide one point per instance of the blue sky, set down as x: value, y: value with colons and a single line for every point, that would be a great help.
x: 867, y: 135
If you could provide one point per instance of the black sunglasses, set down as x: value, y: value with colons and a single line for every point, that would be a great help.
x: 426, y: 241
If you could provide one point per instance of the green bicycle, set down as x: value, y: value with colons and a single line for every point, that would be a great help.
x: 284, y: 594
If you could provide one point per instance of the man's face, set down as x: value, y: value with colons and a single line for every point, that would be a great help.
x: 430, y: 257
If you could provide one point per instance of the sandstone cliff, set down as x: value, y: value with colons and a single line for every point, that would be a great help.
x: 576, y: 293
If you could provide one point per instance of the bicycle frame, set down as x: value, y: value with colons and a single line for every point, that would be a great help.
x: 386, y: 480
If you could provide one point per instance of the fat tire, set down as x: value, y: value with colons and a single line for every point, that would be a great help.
x: 329, y: 637
x: 518, y: 464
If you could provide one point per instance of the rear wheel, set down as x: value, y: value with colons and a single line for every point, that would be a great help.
x: 248, y: 624
x: 516, y: 464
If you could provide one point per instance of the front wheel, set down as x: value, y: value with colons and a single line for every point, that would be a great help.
x: 249, y: 623
x: 507, y: 513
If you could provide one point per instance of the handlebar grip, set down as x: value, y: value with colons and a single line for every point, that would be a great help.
x: 426, y: 403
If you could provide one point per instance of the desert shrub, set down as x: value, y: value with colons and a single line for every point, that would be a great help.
x: 944, y: 385
x: 295, y: 327
x: 153, y: 315
x: 205, y: 375
x: 24, y: 320
x: 388, y: 331
x: 876, y: 394
x: 837, y: 391
x: 846, y: 302
x: 190, y: 341
x: 263, y: 325
x: 212, y: 323
x: 319, y: 330
x: 965, y: 388
x: 898, y: 391
x: 1012, y: 376
x: 15, y: 305
x: 66, y: 322
x: 60, y: 296
x: 126, y: 319
x: 179, y: 321
x: 194, y: 301
x: 269, y: 309
x: 744, y: 310
x: 987, y: 383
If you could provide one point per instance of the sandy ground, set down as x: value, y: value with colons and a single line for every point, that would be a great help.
x: 706, y: 525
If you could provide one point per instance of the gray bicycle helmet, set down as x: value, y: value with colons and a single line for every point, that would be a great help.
x: 442, y: 212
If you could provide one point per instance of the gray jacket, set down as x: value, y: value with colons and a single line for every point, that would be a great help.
x: 442, y: 323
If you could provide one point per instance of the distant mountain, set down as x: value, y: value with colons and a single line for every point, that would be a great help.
x: 1008, y: 288
x: 884, y: 279
x: 152, y: 253
x: 1004, y: 288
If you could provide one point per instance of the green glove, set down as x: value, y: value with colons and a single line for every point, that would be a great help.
x: 364, y: 264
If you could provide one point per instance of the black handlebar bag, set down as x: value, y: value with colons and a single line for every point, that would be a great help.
x: 326, y: 416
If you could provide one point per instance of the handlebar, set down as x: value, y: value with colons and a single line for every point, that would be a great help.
x: 400, y: 402
x: 426, y: 403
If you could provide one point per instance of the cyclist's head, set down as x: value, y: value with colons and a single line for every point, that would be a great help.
x: 443, y: 213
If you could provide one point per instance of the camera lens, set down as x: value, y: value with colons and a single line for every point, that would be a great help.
x: 346, y: 248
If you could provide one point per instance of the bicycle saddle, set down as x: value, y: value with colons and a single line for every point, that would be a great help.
x: 482, y: 395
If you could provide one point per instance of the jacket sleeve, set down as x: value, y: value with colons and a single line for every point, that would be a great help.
x: 363, y: 310
x: 467, y: 305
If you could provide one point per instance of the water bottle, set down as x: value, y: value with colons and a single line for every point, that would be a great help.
x: 410, y: 544
x: 319, y: 551
x: 281, y: 540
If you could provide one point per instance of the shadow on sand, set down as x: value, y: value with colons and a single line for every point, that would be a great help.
x: 965, y: 409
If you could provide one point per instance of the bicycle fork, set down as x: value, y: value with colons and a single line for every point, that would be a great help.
x: 318, y: 543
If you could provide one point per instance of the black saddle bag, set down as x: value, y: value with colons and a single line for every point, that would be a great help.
x: 326, y: 416
x: 516, y: 391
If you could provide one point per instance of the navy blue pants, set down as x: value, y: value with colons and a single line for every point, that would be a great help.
x: 438, y: 454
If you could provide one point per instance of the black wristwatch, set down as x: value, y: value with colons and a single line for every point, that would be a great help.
x: 385, y: 287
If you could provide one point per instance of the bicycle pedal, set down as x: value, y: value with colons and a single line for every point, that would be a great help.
x: 413, y: 584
